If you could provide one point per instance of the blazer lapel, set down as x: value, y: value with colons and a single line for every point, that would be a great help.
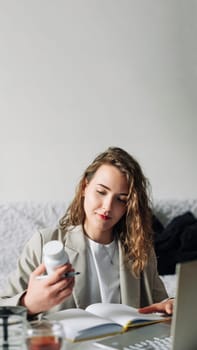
x: 129, y: 285
x: 76, y: 249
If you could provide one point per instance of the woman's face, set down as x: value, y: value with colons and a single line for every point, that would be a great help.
x: 105, y: 199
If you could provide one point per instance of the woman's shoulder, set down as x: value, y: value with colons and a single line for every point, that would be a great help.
x: 49, y: 233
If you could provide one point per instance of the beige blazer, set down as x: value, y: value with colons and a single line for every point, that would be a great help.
x: 134, y: 291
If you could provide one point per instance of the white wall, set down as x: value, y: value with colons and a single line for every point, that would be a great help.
x: 77, y: 76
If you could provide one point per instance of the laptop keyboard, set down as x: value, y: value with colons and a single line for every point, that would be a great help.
x: 154, y: 344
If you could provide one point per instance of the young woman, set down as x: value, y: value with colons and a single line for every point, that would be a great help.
x: 107, y: 234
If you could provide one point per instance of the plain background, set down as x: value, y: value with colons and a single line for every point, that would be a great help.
x: 81, y: 75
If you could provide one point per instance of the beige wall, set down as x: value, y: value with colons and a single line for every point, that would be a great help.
x: 78, y: 76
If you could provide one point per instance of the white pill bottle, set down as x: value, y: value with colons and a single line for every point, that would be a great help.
x: 54, y: 255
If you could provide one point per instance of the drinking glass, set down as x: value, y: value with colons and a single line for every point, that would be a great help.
x: 12, y: 327
x: 44, y: 335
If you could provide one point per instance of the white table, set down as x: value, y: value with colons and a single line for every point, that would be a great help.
x: 84, y: 345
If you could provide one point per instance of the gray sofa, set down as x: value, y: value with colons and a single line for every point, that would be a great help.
x: 18, y: 221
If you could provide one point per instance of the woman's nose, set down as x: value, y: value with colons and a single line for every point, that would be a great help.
x: 107, y: 204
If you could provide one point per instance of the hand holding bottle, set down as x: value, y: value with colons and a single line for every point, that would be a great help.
x: 46, y: 291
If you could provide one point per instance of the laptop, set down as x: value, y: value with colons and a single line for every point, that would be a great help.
x: 181, y: 334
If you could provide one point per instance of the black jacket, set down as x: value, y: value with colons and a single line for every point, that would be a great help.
x: 176, y: 242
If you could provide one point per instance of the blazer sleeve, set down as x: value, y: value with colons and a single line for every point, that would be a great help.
x: 152, y: 287
x: 30, y: 258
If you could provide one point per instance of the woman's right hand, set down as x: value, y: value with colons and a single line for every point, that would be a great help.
x: 43, y: 294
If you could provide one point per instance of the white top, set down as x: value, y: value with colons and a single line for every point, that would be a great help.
x: 103, y: 272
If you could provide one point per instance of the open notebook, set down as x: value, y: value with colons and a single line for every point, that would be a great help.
x: 102, y: 319
x: 183, y: 329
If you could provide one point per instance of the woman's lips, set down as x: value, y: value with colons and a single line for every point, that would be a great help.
x: 104, y: 217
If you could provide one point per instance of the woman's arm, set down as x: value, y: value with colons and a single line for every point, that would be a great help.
x: 23, y: 287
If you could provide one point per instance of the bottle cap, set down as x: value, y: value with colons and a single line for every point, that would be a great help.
x: 54, y: 249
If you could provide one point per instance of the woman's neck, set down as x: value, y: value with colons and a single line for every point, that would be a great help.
x: 99, y: 237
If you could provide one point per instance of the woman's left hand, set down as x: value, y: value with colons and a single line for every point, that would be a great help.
x: 165, y: 306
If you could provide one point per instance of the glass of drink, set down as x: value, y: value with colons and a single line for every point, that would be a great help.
x: 44, y: 335
x: 12, y: 327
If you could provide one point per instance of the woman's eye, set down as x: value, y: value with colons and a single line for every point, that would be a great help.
x: 122, y: 200
x: 100, y: 192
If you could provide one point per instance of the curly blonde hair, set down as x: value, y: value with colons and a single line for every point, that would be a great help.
x: 134, y: 230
